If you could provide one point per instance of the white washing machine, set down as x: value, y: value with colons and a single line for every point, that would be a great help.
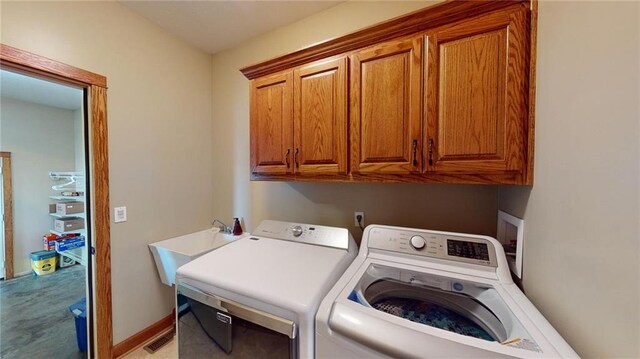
x: 257, y: 297
x: 425, y: 294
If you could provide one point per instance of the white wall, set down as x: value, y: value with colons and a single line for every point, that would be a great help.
x: 455, y: 208
x: 581, y: 258
x: 40, y: 139
x: 78, y: 135
x: 160, y: 133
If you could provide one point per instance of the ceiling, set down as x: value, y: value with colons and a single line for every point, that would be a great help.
x: 211, y: 25
x: 216, y: 25
x: 31, y: 89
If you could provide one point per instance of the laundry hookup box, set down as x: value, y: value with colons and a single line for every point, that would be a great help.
x: 68, y: 224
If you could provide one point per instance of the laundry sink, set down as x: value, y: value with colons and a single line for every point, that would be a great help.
x: 172, y: 253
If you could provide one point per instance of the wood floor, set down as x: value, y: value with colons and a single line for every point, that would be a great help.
x: 35, y: 317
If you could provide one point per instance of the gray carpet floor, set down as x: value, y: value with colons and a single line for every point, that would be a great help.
x: 35, y: 321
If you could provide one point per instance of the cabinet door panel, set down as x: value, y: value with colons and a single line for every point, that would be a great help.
x: 476, y: 96
x: 385, y: 108
x: 320, y: 118
x: 472, y: 79
x: 271, y: 125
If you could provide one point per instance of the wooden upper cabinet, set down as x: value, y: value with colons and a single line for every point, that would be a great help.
x: 385, y: 107
x: 320, y: 117
x: 476, y: 84
x: 271, y: 125
x: 442, y: 95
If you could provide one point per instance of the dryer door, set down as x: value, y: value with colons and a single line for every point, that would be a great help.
x: 213, y: 327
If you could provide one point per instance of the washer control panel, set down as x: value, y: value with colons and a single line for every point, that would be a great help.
x: 434, y: 244
x: 297, y: 230
x: 418, y: 242
x: 304, y: 233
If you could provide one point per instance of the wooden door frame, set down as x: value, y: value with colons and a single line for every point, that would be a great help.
x: 22, y: 61
x: 7, y: 204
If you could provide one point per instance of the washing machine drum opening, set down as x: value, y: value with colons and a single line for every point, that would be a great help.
x: 454, y: 312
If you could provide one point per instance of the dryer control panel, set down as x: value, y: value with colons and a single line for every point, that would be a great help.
x: 434, y: 244
x: 304, y: 233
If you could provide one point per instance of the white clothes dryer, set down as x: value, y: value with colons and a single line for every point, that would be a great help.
x: 257, y: 297
x: 415, y: 293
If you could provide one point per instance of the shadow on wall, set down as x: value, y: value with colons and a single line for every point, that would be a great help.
x: 456, y: 208
x: 514, y: 199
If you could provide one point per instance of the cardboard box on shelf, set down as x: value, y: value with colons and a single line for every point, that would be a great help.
x: 68, y: 224
x: 65, y: 208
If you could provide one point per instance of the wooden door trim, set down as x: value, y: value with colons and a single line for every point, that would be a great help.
x: 418, y: 21
x: 39, y: 65
x: 101, y: 222
x: 35, y: 65
x: 7, y: 196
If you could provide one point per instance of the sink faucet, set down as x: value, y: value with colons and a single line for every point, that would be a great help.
x: 223, y: 227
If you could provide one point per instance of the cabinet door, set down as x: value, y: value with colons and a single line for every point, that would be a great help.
x: 320, y: 117
x: 476, y: 96
x: 386, y: 107
x: 271, y: 125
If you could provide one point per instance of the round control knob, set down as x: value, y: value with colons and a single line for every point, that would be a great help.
x: 417, y: 242
x: 296, y: 230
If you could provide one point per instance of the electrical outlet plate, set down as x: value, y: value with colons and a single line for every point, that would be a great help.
x: 120, y: 214
x: 355, y: 219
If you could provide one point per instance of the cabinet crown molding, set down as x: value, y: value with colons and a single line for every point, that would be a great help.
x: 417, y: 21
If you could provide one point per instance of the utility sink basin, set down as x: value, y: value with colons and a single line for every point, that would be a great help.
x: 172, y: 253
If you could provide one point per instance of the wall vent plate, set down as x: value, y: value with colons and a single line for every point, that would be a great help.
x: 159, y: 342
x: 511, y: 235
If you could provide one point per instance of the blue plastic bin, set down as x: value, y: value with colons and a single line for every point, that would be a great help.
x: 79, y: 310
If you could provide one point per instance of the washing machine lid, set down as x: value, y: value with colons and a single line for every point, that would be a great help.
x: 404, y: 302
x: 286, y: 274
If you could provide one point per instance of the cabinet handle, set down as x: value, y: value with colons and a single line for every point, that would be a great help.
x: 295, y: 158
x: 430, y: 144
x: 287, y: 156
x: 415, y: 149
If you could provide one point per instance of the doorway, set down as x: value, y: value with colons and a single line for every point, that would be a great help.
x: 41, y: 125
x: 96, y: 203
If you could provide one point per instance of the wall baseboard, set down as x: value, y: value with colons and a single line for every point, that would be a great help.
x: 150, y: 332
x: 22, y: 274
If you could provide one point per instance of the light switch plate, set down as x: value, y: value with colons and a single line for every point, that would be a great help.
x: 120, y: 214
